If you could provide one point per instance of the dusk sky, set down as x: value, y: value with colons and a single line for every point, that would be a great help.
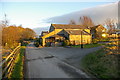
x: 34, y: 14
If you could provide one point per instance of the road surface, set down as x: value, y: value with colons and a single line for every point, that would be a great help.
x: 54, y: 62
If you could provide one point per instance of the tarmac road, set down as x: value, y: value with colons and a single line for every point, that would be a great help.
x: 54, y: 62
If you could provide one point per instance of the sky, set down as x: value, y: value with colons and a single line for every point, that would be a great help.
x: 34, y: 14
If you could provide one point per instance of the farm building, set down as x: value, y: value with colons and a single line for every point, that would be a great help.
x: 75, y: 34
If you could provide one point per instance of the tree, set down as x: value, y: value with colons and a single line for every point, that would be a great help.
x: 5, y: 22
x: 72, y: 22
x: 86, y: 22
x: 12, y: 35
x: 110, y: 23
x: 118, y: 24
x: 28, y: 34
x: 0, y: 35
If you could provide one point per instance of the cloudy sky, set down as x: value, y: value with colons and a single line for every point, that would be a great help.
x: 99, y: 14
x: 34, y: 13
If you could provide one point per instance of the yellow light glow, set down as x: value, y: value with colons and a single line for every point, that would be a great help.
x: 103, y: 35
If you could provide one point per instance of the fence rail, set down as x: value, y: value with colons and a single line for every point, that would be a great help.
x: 8, y: 62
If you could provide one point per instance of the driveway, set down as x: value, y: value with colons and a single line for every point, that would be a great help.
x: 55, y: 62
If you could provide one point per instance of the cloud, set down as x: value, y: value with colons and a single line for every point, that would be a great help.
x: 59, y: 0
x: 40, y: 29
x: 98, y: 14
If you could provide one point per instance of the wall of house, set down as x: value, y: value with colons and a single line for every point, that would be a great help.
x: 50, y: 34
x: 87, y: 39
x: 87, y: 30
x: 99, y: 31
x: 63, y: 32
x: 66, y: 34
x: 76, y: 39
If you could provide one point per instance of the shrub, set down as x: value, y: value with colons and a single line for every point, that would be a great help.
x: 36, y: 44
x: 95, y: 40
x: 24, y: 43
x: 66, y: 43
x: 48, y: 44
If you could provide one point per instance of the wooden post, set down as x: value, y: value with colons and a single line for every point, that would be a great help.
x: 81, y: 39
x: 43, y: 41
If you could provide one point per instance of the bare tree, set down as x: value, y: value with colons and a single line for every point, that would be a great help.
x: 0, y: 35
x: 86, y: 22
x: 4, y: 22
x: 72, y: 22
x: 118, y: 24
x: 110, y: 23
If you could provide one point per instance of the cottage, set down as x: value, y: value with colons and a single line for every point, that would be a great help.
x: 77, y: 37
x: 43, y: 33
x: 97, y: 31
x: 115, y: 34
x: 76, y: 34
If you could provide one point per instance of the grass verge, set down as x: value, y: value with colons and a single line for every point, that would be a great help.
x: 18, y: 68
x: 87, y: 45
x: 101, y: 65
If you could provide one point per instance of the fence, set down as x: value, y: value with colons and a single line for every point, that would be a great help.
x: 8, y: 62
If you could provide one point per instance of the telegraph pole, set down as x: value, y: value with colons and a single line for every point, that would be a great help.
x: 81, y: 39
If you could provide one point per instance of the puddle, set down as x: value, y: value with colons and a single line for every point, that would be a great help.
x: 34, y: 59
x: 47, y: 57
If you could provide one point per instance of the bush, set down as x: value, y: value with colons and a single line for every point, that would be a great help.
x: 66, y: 43
x: 25, y: 43
x: 105, y: 39
x: 48, y: 44
x: 95, y: 40
x: 36, y: 44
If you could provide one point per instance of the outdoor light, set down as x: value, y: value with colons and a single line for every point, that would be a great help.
x: 103, y: 35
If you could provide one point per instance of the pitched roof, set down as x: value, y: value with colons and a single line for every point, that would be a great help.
x: 45, y: 32
x: 67, y: 26
x: 77, y: 32
x: 94, y: 27
x: 56, y: 35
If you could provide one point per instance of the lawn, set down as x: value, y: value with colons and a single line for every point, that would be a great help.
x: 87, y: 45
x: 101, y: 65
x: 18, y: 68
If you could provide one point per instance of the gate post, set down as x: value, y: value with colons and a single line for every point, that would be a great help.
x: 43, y: 41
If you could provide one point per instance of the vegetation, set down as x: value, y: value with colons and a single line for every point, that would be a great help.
x: 110, y: 25
x: 12, y: 35
x: 85, y: 21
x: 72, y: 22
x: 87, y: 45
x: 0, y: 36
x: 96, y: 40
x: 66, y: 43
x: 25, y: 43
x: 102, y: 63
x: 18, y: 68
x: 37, y: 42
